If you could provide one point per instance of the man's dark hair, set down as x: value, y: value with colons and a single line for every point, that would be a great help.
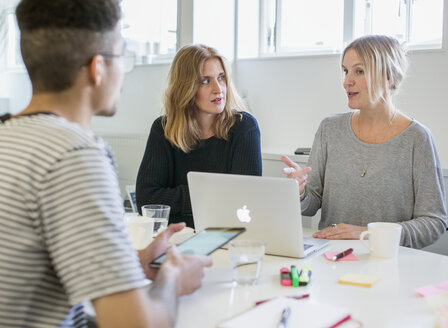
x: 58, y: 37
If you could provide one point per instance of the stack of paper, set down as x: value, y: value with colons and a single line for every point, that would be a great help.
x: 303, y: 314
x: 429, y: 290
x: 362, y: 280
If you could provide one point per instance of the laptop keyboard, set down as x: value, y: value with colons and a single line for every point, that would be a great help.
x: 306, y: 246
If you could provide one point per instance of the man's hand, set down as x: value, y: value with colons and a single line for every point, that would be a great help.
x: 188, y: 270
x: 178, y: 275
x: 158, y: 247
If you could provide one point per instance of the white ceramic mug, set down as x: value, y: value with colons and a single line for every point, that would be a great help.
x: 140, y: 230
x: 384, y: 238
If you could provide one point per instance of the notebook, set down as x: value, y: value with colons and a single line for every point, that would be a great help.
x: 269, y: 209
x: 303, y: 314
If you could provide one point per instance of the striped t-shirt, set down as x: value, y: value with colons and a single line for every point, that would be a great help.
x: 62, y: 237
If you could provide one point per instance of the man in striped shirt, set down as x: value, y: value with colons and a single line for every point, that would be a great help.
x: 62, y: 237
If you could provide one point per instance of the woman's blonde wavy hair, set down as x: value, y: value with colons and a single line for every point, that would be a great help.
x: 180, y: 122
x: 385, y: 64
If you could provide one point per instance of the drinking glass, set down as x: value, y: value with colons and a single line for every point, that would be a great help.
x: 246, y: 257
x: 160, y: 215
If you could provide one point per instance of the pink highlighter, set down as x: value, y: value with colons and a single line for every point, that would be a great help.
x: 285, y: 277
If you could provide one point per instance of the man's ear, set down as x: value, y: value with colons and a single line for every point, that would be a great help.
x: 96, y: 69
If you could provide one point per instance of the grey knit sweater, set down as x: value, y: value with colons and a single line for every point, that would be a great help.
x: 403, y: 181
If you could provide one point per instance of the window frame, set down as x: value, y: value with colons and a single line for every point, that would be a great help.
x: 348, y: 33
x: 152, y: 58
x: 185, y: 34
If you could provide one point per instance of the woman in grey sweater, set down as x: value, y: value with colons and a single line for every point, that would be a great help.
x: 373, y: 163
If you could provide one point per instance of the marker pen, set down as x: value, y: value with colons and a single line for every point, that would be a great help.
x: 342, y: 254
x: 288, y: 170
x: 296, y: 297
x: 305, y: 276
x: 285, y: 277
x: 294, y: 276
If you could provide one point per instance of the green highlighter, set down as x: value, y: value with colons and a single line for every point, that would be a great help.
x: 305, y: 276
x: 294, y: 276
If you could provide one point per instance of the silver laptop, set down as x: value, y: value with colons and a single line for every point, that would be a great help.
x: 269, y: 208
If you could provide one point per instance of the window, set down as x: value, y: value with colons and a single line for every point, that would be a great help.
x: 417, y: 22
x: 298, y: 30
x: 13, y: 55
x: 150, y: 29
x: 248, y: 25
x: 326, y: 26
x: 10, y: 57
x: 213, y: 25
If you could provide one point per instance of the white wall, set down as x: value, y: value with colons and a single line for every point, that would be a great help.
x: 290, y: 96
x: 16, y: 87
x: 140, y: 103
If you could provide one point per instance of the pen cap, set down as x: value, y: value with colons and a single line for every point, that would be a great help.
x: 305, y: 276
x: 285, y: 277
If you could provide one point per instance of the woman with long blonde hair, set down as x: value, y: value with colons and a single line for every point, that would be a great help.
x: 373, y: 163
x: 205, y: 128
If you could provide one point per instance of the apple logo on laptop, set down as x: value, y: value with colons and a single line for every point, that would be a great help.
x: 243, y: 214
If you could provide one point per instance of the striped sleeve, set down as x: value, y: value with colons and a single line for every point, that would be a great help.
x: 83, y: 228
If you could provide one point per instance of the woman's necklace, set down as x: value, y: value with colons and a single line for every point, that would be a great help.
x: 365, y: 165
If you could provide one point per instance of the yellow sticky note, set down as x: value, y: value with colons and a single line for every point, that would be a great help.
x: 356, y: 279
x: 439, y: 304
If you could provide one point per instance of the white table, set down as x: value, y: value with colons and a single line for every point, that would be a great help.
x: 391, y: 302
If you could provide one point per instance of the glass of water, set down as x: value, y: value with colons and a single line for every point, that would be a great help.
x: 160, y: 215
x: 246, y: 257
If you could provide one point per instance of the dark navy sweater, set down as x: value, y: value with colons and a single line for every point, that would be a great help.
x: 162, y: 177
